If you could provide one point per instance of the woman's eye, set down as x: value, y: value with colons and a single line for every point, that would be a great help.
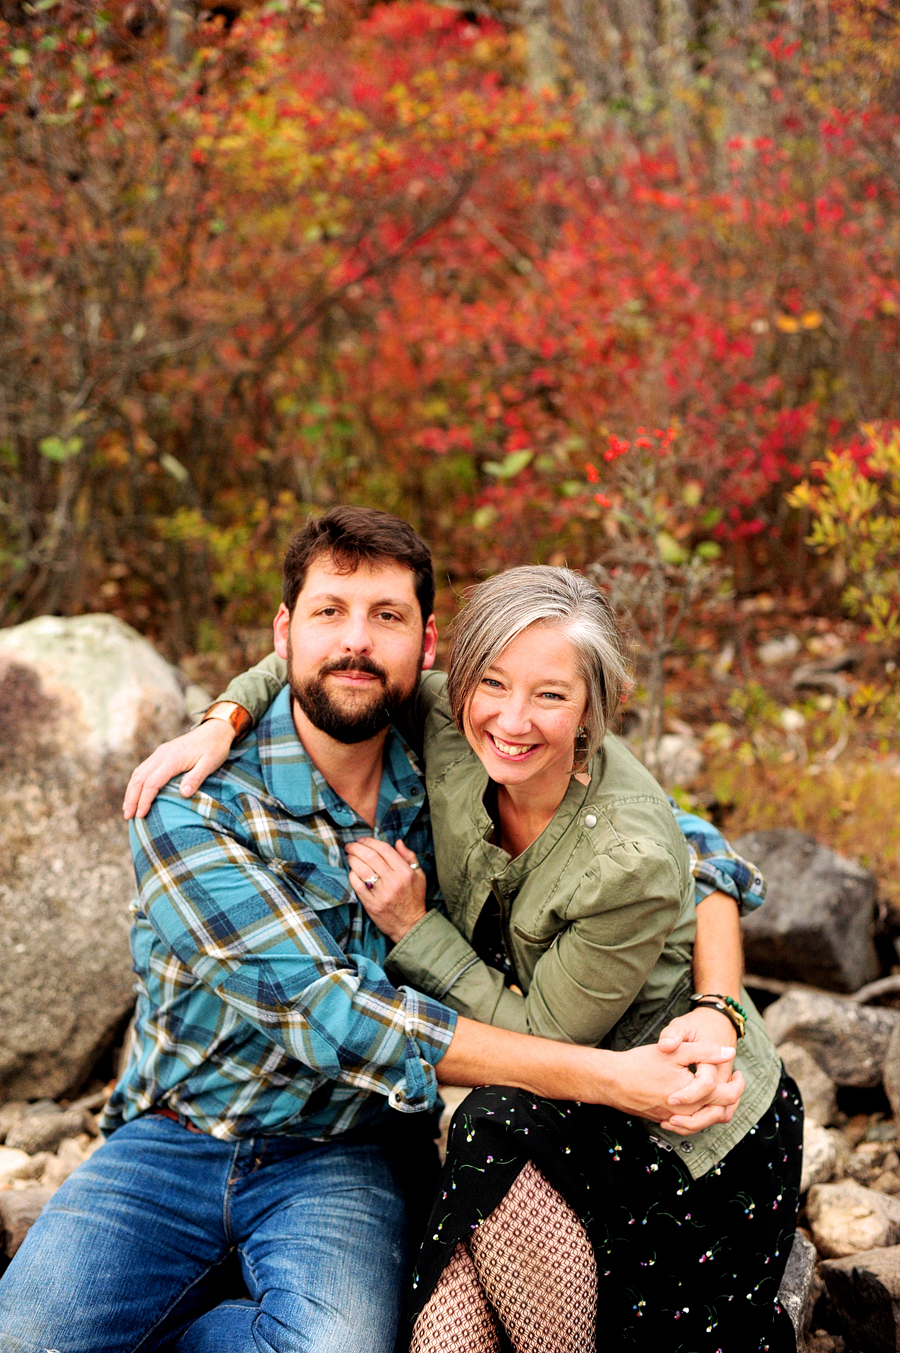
x: 552, y: 695
x: 491, y: 683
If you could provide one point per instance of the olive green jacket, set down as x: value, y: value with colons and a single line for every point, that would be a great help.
x: 598, y: 913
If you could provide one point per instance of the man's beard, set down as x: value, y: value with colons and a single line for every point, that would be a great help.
x: 349, y: 725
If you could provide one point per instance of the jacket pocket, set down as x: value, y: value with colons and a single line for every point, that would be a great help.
x: 633, y: 1031
x: 536, y: 941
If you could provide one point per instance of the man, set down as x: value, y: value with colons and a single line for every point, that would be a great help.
x: 277, y: 1082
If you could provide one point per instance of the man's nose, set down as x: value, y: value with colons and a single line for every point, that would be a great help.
x: 357, y: 634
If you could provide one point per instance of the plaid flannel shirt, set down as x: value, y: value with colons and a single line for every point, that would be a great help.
x: 263, y: 1006
x: 714, y: 864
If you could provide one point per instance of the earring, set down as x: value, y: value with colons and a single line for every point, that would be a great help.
x: 581, y: 745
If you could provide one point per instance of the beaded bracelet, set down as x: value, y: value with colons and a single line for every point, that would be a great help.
x: 726, y: 1005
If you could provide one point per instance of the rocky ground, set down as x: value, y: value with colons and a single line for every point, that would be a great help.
x: 81, y: 700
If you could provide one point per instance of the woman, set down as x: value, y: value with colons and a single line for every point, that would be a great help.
x: 571, y: 914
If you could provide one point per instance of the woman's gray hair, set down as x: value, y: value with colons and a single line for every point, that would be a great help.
x: 500, y: 609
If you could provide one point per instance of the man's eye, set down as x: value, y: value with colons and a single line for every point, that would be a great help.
x: 388, y: 615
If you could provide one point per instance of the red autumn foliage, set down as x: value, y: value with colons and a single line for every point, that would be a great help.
x: 366, y: 264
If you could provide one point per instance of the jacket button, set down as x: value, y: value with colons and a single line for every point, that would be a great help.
x: 687, y: 1147
x: 590, y: 819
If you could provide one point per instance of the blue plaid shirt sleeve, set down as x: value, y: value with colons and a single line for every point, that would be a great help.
x: 716, y: 867
x: 238, y: 926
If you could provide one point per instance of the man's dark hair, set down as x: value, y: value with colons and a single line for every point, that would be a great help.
x: 351, y: 536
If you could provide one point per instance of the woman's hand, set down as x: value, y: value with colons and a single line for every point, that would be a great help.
x: 655, y: 1083
x: 396, y: 901
x: 198, y: 753
x: 705, y: 1026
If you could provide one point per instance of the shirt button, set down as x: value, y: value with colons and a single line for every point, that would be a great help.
x: 687, y: 1147
x: 590, y: 819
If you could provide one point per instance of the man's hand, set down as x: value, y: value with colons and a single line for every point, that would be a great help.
x: 705, y: 1026
x: 198, y: 753
x: 397, y: 900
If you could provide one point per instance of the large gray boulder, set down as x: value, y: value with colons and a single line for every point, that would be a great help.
x: 816, y: 925
x: 847, y: 1040
x: 81, y: 700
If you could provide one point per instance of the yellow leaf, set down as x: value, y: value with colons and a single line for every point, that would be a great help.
x: 787, y: 324
x: 811, y: 319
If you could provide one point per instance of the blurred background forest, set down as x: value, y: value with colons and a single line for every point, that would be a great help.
x: 607, y: 282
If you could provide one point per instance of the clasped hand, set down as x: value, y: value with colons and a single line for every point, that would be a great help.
x: 716, y: 1088
x: 396, y: 899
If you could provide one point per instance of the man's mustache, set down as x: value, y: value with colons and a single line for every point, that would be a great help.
x: 357, y: 664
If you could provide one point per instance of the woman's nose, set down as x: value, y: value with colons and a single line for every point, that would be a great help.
x: 513, y: 716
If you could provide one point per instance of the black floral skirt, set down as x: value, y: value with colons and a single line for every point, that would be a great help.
x: 685, y: 1265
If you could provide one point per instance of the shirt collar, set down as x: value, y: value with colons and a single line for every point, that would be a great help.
x: 290, y: 776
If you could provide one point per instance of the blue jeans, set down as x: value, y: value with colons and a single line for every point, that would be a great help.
x: 135, y: 1250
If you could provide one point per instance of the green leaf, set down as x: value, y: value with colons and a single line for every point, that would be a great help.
x: 669, y: 549
x: 174, y: 467
x: 54, y: 448
x: 708, y: 549
x: 510, y: 466
x: 484, y: 517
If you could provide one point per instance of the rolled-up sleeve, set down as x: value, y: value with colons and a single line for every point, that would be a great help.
x: 716, y: 867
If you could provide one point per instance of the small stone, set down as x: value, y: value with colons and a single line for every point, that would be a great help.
x: 58, y: 1168
x: 31, y: 1168
x: 817, y: 1089
x: 11, y: 1161
x: 19, y: 1209
x: 867, y: 1162
x: 889, y: 1182
x: 823, y: 1342
x: 819, y: 1156
x: 45, y: 1131
x: 855, y: 1129
x: 10, y: 1114
x: 38, y: 1107
x: 847, y: 1218
x: 775, y: 651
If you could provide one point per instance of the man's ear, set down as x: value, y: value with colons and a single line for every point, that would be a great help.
x: 280, y: 626
x: 429, y: 644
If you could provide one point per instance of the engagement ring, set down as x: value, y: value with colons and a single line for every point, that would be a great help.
x: 370, y: 883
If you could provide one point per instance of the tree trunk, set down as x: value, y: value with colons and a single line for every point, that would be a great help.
x: 542, y: 69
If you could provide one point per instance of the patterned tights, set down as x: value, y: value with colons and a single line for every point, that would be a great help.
x: 529, y: 1265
